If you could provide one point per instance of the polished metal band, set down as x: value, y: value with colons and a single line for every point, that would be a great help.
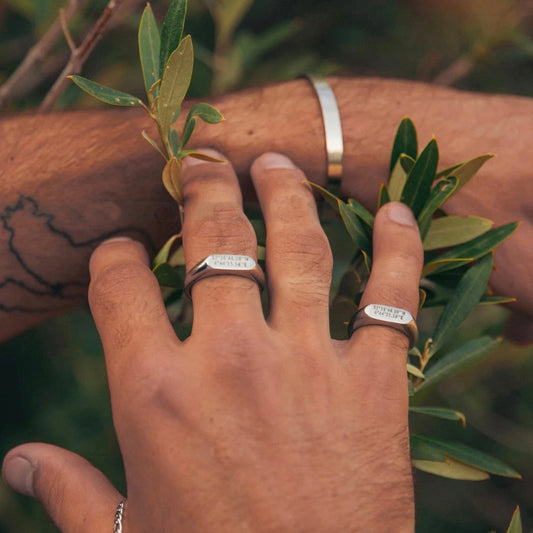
x: 384, y: 315
x: 224, y: 265
x: 332, y: 127
x: 119, y: 515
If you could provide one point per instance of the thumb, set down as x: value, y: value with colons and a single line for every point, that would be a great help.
x: 77, y: 497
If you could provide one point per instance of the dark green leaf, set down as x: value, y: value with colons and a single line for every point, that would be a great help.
x: 341, y: 312
x: 206, y: 112
x: 149, y: 49
x: 355, y: 227
x: 171, y: 32
x: 440, y: 412
x: 407, y: 162
x: 188, y: 131
x: 260, y: 230
x: 466, y: 355
x: 423, y: 445
x: 496, y: 300
x: 167, y: 276
x: 383, y: 197
x: 350, y: 284
x: 439, y: 194
x: 330, y: 198
x: 467, y: 294
x: 174, y: 142
x: 443, y: 265
x: 418, y: 185
x: 405, y: 142
x: 516, y: 522
x: 106, y: 94
x: 361, y: 212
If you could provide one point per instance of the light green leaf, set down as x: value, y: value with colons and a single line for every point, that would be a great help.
x: 405, y: 142
x: 496, y: 300
x: 418, y: 185
x: 361, y: 212
x: 440, y: 412
x: 106, y: 94
x: 427, y: 448
x: 467, y: 294
x: 149, y: 48
x: 206, y: 112
x: 441, y: 265
x: 175, y: 83
x: 171, y: 32
x: 466, y: 355
x: 452, y: 230
x: 154, y: 145
x: 415, y: 371
x: 383, y: 197
x: 355, y: 227
x: 452, y: 469
x: 202, y: 156
x: 397, y: 181
x: 330, y: 198
x: 167, y: 276
x: 516, y: 522
x: 465, y: 171
x: 164, y: 252
x: 439, y: 194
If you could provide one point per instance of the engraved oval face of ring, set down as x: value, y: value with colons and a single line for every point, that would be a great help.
x: 230, y: 262
x: 388, y: 314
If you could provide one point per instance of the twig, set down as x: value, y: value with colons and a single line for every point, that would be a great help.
x: 66, y: 32
x: 457, y: 71
x: 80, y: 54
x: 37, y: 53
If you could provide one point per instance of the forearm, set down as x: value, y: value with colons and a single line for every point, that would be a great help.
x: 70, y: 180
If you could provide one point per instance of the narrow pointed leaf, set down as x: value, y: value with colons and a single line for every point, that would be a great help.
x: 397, y: 181
x: 164, y: 253
x: 407, y: 162
x: 415, y: 371
x: 167, y: 276
x: 149, y: 48
x: 154, y: 145
x: 202, y: 156
x: 464, y: 172
x: 515, y: 525
x: 175, y: 83
x: 106, y: 94
x: 452, y: 469
x: 496, y: 300
x: 405, y: 142
x: 459, y: 359
x: 440, y: 412
x: 418, y: 185
x: 206, y: 112
x: 188, y: 130
x: 383, y: 197
x: 442, y: 265
x: 172, y: 32
x: 422, y: 296
x: 330, y: 198
x: 452, y: 230
x: 439, y: 194
x: 172, y: 179
x: 361, y: 212
x: 467, y: 294
x: 350, y: 284
x: 355, y: 227
x: 174, y: 142
x: 421, y: 444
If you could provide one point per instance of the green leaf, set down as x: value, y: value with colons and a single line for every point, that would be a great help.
x: 175, y: 83
x: 467, y: 294
x: 397, y: 181
x: 168, y: 276
x: 202, y: 156
x: 452, y: 469
x: 423, y: 445
x: 206, y: 112
x: 418, y: 185
x: 440, y: 412
x: 383, y: 197
x: 407, y: 162
x: 350, y: 284
x: 106, y: 94
x: 405, y: 142
x: 452, y: 230
x: 439, y: 194
x: 341, y: 311
x: 260, y: 230
x: 453, y: 362
x: 164, y: 252
x: 442, y: 265
x: 516, y: 522
x: 481, y: 245
x: 330, y: 198
x: 496, y: 300
x: 188, y: 130
x: 465, y: 171
x: 355, y: 227
x: 361, y: 212
x: 174, y: 142
x: 415, y: 371
x: 171, y: 32
x: 154, y: 145
x: 149, y: 49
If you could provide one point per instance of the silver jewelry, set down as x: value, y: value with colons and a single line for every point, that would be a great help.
x: 119, y: 514
x: 384, y: 315
x: 332, y: 127
x: 224, y: 265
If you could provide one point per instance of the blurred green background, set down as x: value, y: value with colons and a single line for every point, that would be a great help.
x: 52, y: 379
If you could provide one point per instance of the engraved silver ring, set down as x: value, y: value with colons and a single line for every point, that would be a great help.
x: 243, y: 266
x: 384, y: 315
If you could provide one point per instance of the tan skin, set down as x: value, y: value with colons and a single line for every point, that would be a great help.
x: 251, y: 425
x: 97, y: 177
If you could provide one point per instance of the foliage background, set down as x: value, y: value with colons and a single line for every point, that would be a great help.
x: 52, y: 379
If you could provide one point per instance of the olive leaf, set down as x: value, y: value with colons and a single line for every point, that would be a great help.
x: 452, y: 469
x: 452, y: 230
x: 361, y: 212
x: 415, y: 371
x: 202, y: 156
x: 383, y: 197
x: 440, y: 412
x: 149, y: 49
x: 174, y: 142
x: 465, y: 171
x: 171, y: 32
x: 167, y: 276
x: 405, y: 142
x: 355, y: 228
x: 515, y: 526
x: 417, y: 188
x: 206, y: 112
x: 188, y: 130
x: 175, y: 83
x: 172, y: 179
x: 164, y: 253
x: 397, y: 180
x: 154, y: 145
x: 106, y: 94
x: 438, y: 196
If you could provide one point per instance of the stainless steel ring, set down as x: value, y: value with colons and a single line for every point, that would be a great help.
x: 119, y: 515
x: 243, y: 266
x: 385, y: 315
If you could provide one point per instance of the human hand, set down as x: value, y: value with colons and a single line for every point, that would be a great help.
x: 250, y: 424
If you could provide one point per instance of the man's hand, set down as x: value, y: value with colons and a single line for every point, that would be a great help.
x: 251, y: 424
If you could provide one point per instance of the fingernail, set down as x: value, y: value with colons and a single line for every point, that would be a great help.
x: 400, y: 214
x: 18, y: 474
x: 272, y: 160
x: 188, y: 162
x: 114, y: 240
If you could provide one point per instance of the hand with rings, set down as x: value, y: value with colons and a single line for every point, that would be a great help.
x: 252, y: 424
